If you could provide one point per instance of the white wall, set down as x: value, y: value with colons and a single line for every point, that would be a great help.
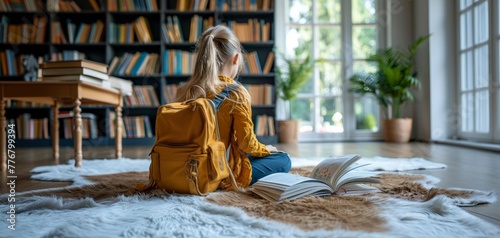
x: 422, y: 109
x: 400, y: 23
x: 436, y: 64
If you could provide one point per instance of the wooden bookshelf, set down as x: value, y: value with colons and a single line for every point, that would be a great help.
x: 158, y: 35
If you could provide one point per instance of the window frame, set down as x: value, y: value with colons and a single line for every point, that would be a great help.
x: 493, y: 88
x: 349, y: 122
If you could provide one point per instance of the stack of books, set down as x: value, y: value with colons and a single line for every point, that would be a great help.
x: 75, y: 70
x: 83, y: 71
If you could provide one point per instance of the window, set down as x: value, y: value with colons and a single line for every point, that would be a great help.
x: 479, y: 84
x: 342, y: 33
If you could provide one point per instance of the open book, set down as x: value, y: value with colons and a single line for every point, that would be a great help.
x: 333, y: 175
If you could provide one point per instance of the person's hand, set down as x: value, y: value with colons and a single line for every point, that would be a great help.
x: 271, y: 148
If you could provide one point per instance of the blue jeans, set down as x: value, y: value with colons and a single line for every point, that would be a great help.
x: 273, y: 163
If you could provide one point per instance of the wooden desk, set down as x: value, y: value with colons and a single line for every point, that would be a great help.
x: 58, y: 94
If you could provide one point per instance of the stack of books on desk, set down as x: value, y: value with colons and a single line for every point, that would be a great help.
x: 75, y: 70
x: 83, y: 71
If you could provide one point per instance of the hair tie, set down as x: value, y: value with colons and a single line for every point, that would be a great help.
x: 211, y: 36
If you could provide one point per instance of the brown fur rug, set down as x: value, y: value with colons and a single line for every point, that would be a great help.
x: 308, y: 213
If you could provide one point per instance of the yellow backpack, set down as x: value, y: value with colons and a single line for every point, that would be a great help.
x: 188, y: 156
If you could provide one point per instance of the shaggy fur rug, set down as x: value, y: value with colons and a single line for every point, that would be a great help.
x: 109, y: 206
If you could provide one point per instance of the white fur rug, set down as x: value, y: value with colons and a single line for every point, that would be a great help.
x: 191, y: 216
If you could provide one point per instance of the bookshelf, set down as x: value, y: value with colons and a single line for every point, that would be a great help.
x: 157, y: 36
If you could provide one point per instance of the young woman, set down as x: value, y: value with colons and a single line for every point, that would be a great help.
x: 218, y: 61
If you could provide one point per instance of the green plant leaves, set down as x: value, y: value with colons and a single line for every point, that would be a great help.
x: 293, y: 74
x: 394, y: 79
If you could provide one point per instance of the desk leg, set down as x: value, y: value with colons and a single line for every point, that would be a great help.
x: 55, y: 131
x: 77, y: 132
x: 118, y: 132
x: 3, y: 129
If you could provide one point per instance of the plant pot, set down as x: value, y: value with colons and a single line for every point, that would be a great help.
x: 288, y: 131
x: 397, y: 129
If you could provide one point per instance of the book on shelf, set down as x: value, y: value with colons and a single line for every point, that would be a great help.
x: 73, y: 5
x: 95, y: 6
x: 89, y: 125
x: 31, y: 128
x: 132, y: 126
x: 178, y: 62
x: 269, y: 63
x: 67, y: 6
x: 56, y: 32
x: 252, y: 63
x: 170, y: 91
x: 83, y: 33
x: 20, y: 6
x: 40, y: 24
x: 9, y: 62
x: 120, y: 33
x: 254, y: 30
x: 197, y: 27
x: 22, y: 33
x: 170, y: 31
x: 142, y: 95
x: 264, y: 125
x: 130, y: 6
x: 261, y: 94
x: 75, y: 63
x: 67, y: 55
x: 86, y: 33
x: 174, y: 29
x: 194, y: 5
x: 137, y: 127
x: 142, y: 30
x: 245, y: 5
x: 134, y: 64
x: 336, y: 175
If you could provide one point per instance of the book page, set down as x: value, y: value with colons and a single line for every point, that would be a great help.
x: 356, y: 189
x: 281, y: 186
x: 283, y: 179
x: 356, y: 177
x: 329, y: 170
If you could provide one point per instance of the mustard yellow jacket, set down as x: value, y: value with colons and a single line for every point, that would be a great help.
x: 237, y: 133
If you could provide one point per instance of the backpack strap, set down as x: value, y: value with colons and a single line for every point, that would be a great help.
x: 219, y: 98
x: 217, y: 101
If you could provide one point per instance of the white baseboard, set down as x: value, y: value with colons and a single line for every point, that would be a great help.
x: 472, y: 144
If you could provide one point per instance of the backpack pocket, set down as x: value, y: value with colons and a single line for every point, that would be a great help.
x: 184, y: 169
x: 218, y: 169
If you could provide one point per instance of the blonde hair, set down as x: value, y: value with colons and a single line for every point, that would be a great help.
x: 215, y: 49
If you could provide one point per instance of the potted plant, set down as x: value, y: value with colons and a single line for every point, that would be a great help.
x: 291, y: 74
x: 392, y: 86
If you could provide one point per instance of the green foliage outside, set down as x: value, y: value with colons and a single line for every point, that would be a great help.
x: 366, y: 122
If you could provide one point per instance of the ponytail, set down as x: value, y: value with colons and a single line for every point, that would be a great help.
x: 214, y: 50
